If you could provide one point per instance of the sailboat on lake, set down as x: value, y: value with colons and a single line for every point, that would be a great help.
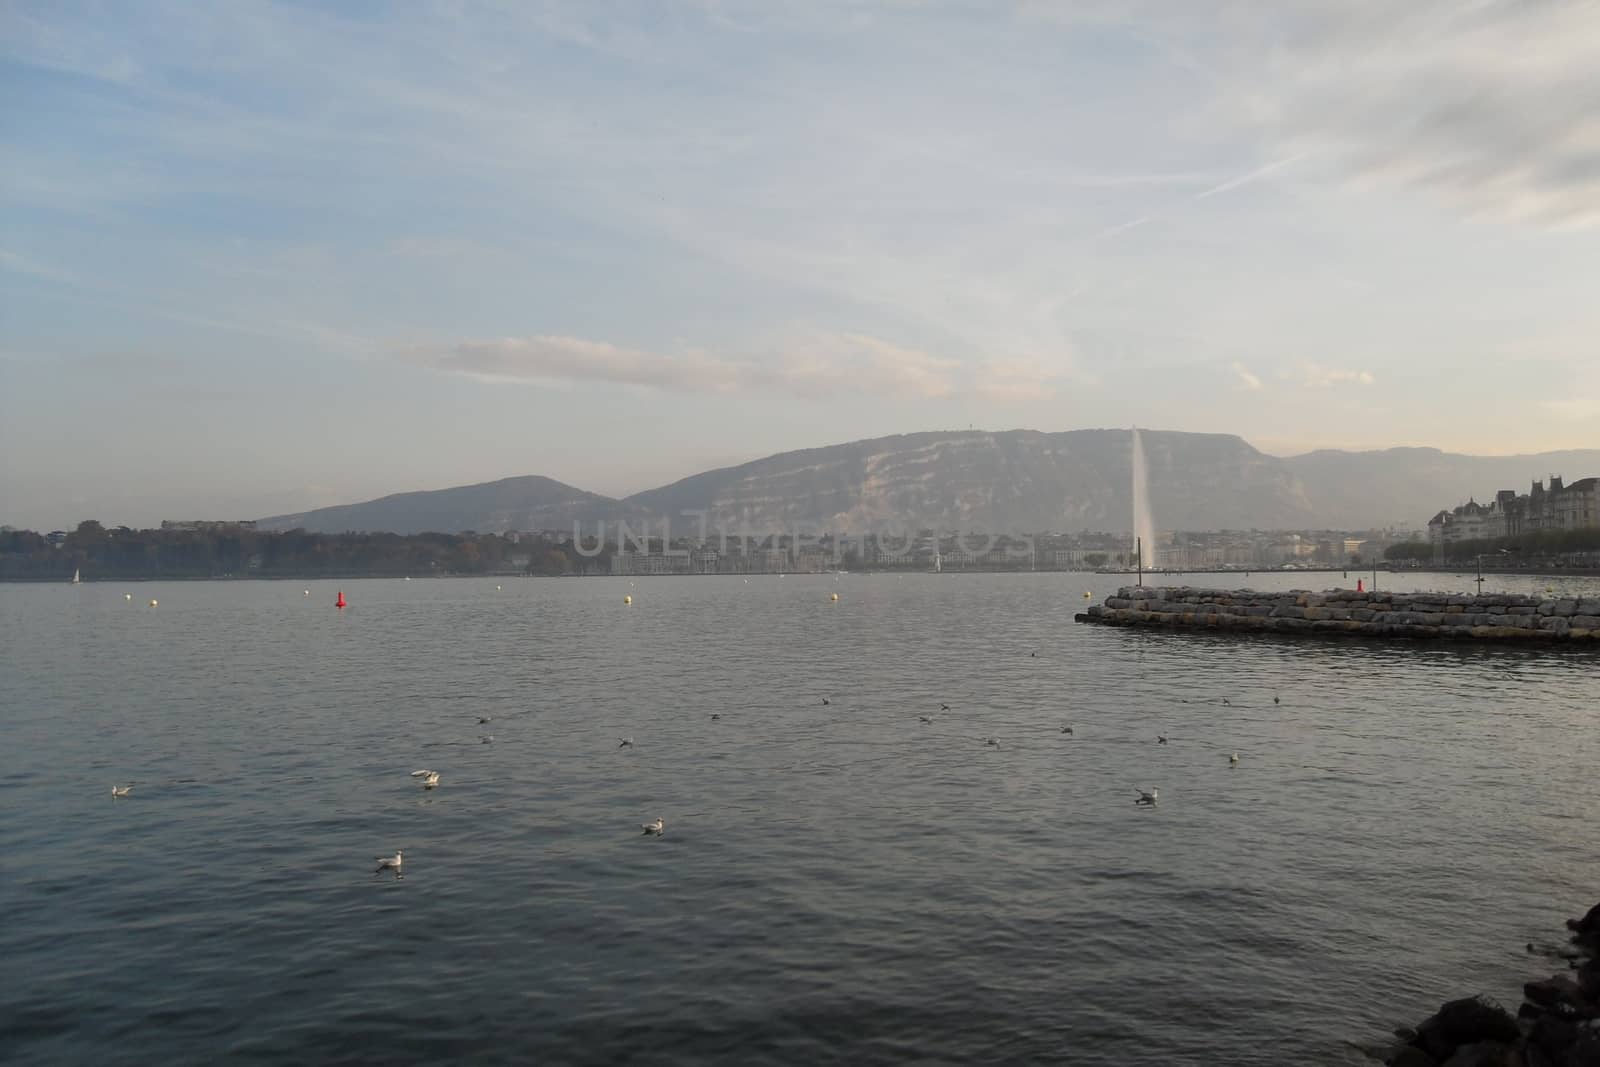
x: 77, y: 576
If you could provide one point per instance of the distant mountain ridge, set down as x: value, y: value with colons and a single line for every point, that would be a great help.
x: 1015, y: 480
x: 526, y: 503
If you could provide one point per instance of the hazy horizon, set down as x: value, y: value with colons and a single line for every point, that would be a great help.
x: 262, y: 259
x: 150, y: 509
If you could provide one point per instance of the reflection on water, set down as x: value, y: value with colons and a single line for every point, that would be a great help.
x: 835, y: 880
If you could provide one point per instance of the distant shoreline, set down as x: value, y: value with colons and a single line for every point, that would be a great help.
x: 1353, y: 572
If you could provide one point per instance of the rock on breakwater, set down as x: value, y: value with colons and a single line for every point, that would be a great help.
x: 1490, y: 617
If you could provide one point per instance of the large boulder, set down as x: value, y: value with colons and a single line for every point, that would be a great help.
x: 1558, y: 993
x: 1484, y: 1054
x: 1411, y: 1056
x: 1465, y: 1022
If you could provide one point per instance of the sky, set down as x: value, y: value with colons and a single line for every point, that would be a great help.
x: 259, y: 257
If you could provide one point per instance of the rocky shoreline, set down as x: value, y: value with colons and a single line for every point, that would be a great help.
x: 1558, y: 1024
x: 1343, y: 612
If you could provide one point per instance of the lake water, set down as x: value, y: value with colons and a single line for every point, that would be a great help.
x: 835, y: 882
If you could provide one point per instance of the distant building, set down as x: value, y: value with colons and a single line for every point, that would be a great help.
x: 1560, y: 507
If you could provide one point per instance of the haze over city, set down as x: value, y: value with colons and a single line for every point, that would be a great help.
x: 263, y: 258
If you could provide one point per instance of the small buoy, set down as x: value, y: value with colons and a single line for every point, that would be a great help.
x: 835, y: 596
x: 153, y: 603
x: 1359, y: 587
x: 127, y: 596
x: 627, y: 600
x: 497, y: 589
x: 339, y: 603
x: 1088, y: 595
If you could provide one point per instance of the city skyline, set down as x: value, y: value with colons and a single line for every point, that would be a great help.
x: 263, y: 259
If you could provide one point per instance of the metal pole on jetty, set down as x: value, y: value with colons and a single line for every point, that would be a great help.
x: 1138, y: 558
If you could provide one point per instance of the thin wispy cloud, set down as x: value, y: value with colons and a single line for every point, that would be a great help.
x: 20, y: 264
x: 820, y: 366
x: 1253, y: 176
x: 1316, y: 376
x: 1246, y: 379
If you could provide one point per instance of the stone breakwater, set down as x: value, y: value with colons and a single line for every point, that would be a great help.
x: 1558, y: 1024
x: 1488, y: 617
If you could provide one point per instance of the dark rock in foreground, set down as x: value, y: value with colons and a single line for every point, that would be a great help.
x: 1558, y: 1024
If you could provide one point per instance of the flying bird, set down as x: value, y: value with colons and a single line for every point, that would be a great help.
x: 389, y: 863
x: 654, y: 827
x: 430, y: 779
x: 1148, y: 798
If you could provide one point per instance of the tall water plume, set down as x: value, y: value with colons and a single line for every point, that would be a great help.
x: 1144, y: 524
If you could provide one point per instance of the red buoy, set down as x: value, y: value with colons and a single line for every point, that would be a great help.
x: 1359, y: 589
x: 340, y: 602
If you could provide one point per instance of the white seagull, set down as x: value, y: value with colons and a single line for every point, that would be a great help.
x: 654, y: 827
x: 486, y: 739
x: 1148, y: 798
x: 389, y: 863
x: 925, y: 719
x: 429, y: 778
x: 1234, y: 758
x: 121, y: 790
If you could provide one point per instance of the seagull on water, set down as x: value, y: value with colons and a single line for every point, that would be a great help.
x: 1066, y: 729
x: 715, y: 716
x: 1274, y: 700
x: 121, y: 790
x: 430, y: 779
x: 627, y: 742
x: 991, y: 742
x: 654, y: 827
x: 925, y: 719
x: 1225, y: 703
x: 1148, y: 798
x: 1161, y: 739
x: 484, y: 720
x: 944, y: 707
x: 486, y: 739
x: 389, y: 863
x: 826, y: 701
x: 1233, y: 758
